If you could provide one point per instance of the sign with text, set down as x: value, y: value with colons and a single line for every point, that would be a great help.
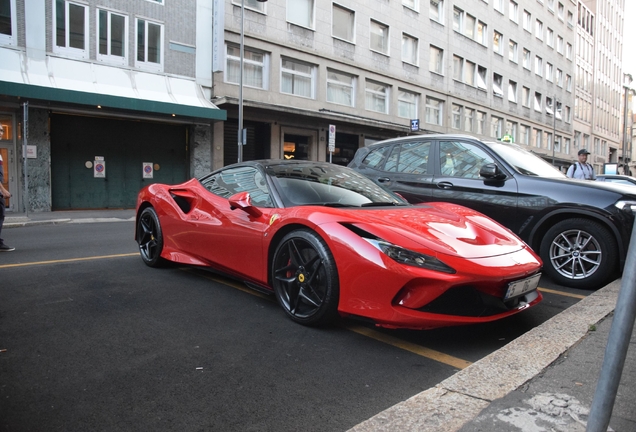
x: 99, y: 167
x: 332, y: 138
x: 148, y: 171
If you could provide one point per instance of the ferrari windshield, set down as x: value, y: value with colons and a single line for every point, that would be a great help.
x: 327, y: 184
x: 525, y: 162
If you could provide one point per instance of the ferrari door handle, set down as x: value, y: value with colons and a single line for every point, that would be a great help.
x: 384, y: 179
x: 444, y: 185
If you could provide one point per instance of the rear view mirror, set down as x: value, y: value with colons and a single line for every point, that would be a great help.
x: 243, y: 201
x: 491, y: 171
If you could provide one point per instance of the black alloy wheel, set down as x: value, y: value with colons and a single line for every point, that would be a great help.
x: 579, y: 253
x: 150, y: 238
x: 305, y: 278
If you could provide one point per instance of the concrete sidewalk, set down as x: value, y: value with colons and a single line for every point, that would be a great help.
x: 542, y: 381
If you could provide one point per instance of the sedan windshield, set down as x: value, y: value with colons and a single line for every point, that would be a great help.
x: 326, y: 184
x: 525, y: 162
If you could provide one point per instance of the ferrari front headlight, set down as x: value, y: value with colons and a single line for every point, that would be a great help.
x: 409, y: 257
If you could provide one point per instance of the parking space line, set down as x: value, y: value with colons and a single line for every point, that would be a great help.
x: 68, y: 260
x: 562, y: 293
x: 370, y: 333
x: 407, y: 346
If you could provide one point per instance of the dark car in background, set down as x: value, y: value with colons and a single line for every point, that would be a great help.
x: 581, y: 229
x: 617, y: 178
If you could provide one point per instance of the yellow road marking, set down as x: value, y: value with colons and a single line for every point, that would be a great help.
x: 380, y: 337
x: 566, y: 294
x: 68, y: 260
x: 407, y: 346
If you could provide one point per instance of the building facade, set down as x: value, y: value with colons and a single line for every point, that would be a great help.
x: 103, y: 97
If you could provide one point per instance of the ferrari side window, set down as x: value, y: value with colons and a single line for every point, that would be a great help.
x: 460, y: 159
x: 375, y: 158
x: 414, y: 157
x: 242, y: 179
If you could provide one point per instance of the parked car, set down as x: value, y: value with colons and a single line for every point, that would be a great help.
x: 617, y: 178
x: 326, y: 240
x: 581, y: 229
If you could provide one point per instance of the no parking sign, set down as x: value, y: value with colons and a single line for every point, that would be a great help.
x: 147, y: 170
x: 99, y: 167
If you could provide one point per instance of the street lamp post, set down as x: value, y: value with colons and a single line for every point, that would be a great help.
x: 241, y: 132
x: 554, y: 113
x: 627, y: 81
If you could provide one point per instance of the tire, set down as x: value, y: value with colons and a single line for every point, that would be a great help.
x: 579, y: 253
x: 305, y: 279
x: 150, y: 238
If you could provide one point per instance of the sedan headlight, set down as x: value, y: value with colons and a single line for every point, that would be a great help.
x: 626, y: 205
x: 409, y: 257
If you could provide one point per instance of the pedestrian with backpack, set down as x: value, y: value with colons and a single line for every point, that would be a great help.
x: 581, y: 169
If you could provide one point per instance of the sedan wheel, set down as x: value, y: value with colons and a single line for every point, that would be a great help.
x: 579, y: 253
x: 150, y: 238
x: 305, y: 278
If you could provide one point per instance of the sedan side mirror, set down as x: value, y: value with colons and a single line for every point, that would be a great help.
x: 243, y: 201
x: 491, y: 171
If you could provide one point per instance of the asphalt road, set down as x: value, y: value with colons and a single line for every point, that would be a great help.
x: 95, y: 340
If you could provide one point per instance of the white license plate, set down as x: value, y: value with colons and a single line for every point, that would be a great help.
x: 522, y: 286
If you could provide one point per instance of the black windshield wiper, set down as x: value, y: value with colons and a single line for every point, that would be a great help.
x: 335, y: 204
x: 383, y: 204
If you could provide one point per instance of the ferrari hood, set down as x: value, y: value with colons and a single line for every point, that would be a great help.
x: 442, y: 227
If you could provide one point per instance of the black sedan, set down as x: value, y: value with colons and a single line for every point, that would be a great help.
x: 581, y: 229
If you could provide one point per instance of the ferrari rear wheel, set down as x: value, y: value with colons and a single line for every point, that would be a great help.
x: 305, y: 278
x: 150, y: 238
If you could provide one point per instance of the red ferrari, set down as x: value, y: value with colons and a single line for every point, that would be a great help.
x: 328, y: 241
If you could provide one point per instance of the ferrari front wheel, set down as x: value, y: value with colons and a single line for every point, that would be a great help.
x: 305, y: 278
x: 150, y: 238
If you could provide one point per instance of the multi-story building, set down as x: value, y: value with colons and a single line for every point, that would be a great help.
x: 491, y: 68
x: 599, y: 93
x: 133, y: 86
x: 109, y: 94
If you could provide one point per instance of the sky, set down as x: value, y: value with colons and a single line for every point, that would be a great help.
x: 629, y: 39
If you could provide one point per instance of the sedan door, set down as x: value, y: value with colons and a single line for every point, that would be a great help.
x: 457, y: 180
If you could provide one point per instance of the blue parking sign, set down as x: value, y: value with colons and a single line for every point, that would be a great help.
x: 415, y: 125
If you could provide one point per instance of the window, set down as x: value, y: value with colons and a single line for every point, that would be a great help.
x: 538, y: 29
x: 469, y: 118
x: 548, y: 71
x: 412, y: 4
x: 570, y: 19
x: 434, y: 109
x: 513, y: 54
x: 513, y: 11
x: 568, y: 114
x: 459, y: 159
x: 377, y: 97
x: 559, y: 44
x: 512, y: 91
x: 409, y: 158
x: 343, y: 24
x: 511, y: 129
x: 301, y: 12
x: 242, y: 179
x: 549, y: 109
x: 458, y: 68
x: 379, y: 37
x: 437, y: 10
x: 526, y: 59
x: 566, y: 148
x: 559, y: 77
x: 537, y: 138
x: 496, y: 127
x: 436, y: 60
x: 482, y: 33
x: 527, y: 21
x: 457, y: 116
x: 70, y: 29
x: 497, y: 85
x: 538, y: 66
x: 409, y: 49
x: 497, y: 43
x: 568, y: 83
x: 551, y: 5
x: 340, y: 88
x: 8, y: 29
x: 112, y: 37
x: 481, y: 77
x: 499, y: 5
x: 254, y: 67
x: 524, y: 135
x: 252, y: 4
x: 538, y: 102
x: 481, y: 122
x: 468, y: 26
x: 469, y: 73
x: 297, y: 78
x: 561, y: 11
x: 525, y: 97
x: 407, y: 104
x: 149, y: 45
x: 558, y: 111
x: 550, y: 38
x: 568, y: 51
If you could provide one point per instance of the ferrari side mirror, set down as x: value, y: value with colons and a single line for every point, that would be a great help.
x: 243, y: 201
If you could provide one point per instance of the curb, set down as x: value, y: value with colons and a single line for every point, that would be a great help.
x: 460, y: 398
x: 8, y: 223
